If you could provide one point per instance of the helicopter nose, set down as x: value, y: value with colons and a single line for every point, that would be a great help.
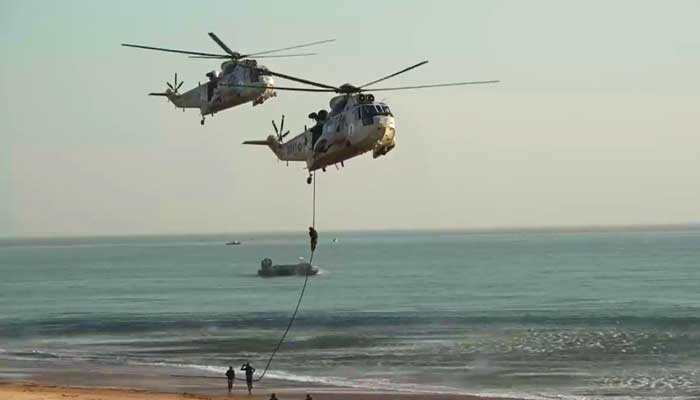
x: 268, y: 81
x: 385, y: 130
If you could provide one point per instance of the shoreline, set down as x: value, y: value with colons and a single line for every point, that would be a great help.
x: 29, y: 390
x: 52, y: 380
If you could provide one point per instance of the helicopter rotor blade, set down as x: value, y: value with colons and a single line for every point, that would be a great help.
x: 287, y: 55
x: 395, y: 73
x: 281, y: 126
x: 170, y: 86
x: 270, y: 56
x: 179, y: 86
x: 221, y: 57
x: 432, y: 86
x: 304, y: 81
x: 175, y: 51
x: 223, y: 45
x: 285, y: 134
x: 283, y: 88
x: 274, y: 125
x: 286, y: 48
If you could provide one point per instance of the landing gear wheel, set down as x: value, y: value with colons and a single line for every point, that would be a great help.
x: 308, y: 180
x: 202, y: 121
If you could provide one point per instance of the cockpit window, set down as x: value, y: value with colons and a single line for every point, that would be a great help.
x: 370, y: 110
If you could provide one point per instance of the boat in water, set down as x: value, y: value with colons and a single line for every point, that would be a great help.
x: 233, y: 243
x: 302, y: 268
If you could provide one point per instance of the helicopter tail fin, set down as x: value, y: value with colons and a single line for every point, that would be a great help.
x: 270, y: 142
x: 257, y: 142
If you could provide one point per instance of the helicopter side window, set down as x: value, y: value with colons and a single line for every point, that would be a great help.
x: 229, y: 69
x: 339, y: 106
x: 254, y: 75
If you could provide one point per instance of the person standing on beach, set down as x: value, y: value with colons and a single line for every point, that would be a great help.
x: 248, y: 375
x: 231, y: 376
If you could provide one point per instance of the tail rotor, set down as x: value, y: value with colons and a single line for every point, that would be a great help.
x: 175, y: 86
x: 172, y: 89
x: 278, y: 132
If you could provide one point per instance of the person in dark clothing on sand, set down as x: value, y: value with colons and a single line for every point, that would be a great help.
x: 230, y: 376
x: 248, y: 375
x: 273, y: 397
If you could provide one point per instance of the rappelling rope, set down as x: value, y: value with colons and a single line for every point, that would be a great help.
x: 296, y: 309
x: 301, y: 294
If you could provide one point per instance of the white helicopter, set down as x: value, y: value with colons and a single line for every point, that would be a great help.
x: 355, y: 125
x: 225, y: 88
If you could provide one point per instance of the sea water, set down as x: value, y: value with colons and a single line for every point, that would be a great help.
x: 536, y: 314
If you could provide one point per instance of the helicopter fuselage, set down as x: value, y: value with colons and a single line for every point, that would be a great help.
x: 239, y: 81
x: 230, y: 87
x: 352, y: 128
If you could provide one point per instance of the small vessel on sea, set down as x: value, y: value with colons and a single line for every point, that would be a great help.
x: 233, y: 243
x: 302, y: 268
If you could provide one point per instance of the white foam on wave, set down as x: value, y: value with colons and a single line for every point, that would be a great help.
x: 385, y: 385
x: 368, y: 384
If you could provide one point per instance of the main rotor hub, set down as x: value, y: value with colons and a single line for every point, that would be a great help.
x: 348, y: 88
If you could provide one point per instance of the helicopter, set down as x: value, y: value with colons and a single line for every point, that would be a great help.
x: 221, y: 92
x: 356, y: 124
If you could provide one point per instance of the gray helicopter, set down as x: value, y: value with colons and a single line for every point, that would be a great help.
x: 356, y: 123
x: 240, y: 80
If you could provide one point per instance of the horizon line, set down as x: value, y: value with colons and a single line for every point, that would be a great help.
x: 474, y: 230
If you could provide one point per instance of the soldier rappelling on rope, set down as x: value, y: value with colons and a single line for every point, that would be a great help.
x: 313, y: 235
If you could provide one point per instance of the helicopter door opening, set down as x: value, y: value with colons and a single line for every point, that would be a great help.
x: 211, y: 84
x: 316, y: 131
x: 210, y: 89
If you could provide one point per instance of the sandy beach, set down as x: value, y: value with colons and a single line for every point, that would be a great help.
x: 31, y: 391
x: 36, y: 392
x: 54, y: 380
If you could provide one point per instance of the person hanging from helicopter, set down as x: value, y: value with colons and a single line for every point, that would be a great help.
x: 313, y: 235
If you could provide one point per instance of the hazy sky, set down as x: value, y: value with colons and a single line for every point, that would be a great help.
x: 596, y: 121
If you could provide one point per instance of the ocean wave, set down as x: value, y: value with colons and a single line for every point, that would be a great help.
x: 129, y: 323
x: 370, y: 384
x: 645, y: 383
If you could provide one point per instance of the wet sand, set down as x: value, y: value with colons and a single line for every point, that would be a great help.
x: 87, y: 381
x: 30, y: 391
